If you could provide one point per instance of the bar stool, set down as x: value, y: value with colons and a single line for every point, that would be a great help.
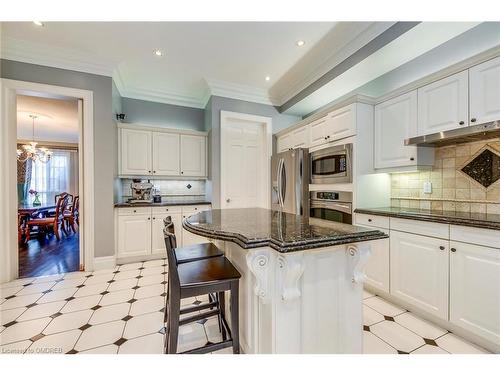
x: 196, y: 278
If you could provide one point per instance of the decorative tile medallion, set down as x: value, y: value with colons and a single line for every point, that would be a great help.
x: 484, y: 168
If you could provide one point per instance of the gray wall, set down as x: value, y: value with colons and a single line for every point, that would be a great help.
x: 160, y: 114
x: 116, y: 101
x: 212, y: 123
x: 105, y: 137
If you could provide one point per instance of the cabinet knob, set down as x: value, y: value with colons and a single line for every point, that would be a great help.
x: 182, y: 172
x: 149, y: 218
x: 412, y: 158
x: 441, y: 247
x: 135, y: 210
x: 149, y: 171
x: 154, y: 171
x: 473, y: 119
x: 461, y: 123
x: 154, y: 218
x: 369, y: 220
x: 228, y: 200
x: 453, y: 250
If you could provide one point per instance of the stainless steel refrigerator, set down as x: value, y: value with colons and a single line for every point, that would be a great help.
x: 290, y: 181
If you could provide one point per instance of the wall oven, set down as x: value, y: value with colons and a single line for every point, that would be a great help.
x: 331, y: 206
x: 332, y: 165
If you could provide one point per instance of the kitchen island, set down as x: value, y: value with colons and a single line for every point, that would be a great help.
x: 302, y: 282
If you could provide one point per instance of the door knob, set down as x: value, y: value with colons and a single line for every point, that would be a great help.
x: 228, y: 200
x: 461, y: 123
x: 473, y: 119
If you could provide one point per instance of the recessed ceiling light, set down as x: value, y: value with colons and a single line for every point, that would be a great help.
x: 38, y: 23
x: 300, y: 43
x: 158, y: 52
x: 268, y: 78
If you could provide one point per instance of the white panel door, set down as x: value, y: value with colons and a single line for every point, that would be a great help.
x: 485, y: 92
x: 244, y: 179
x: 475, y: 289
x: 135, y: 149
x: 395, y: 120
x: 300, y: 137
x: 341, y: 123
x: 283, y: 142
x: 193, y: 155
x: 166, y: 154
x: 134, y: 235
x: 419, y: 271
x: 317, y: 132
x: 377, y: 267
x: 157, y: 237
x: 443, y: 105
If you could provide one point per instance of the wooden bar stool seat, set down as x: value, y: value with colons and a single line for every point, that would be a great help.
x: 197, y: 278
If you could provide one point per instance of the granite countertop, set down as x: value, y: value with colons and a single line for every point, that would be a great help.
x: 488, y: 221
x: 258, y: 227
x: 171, y: 201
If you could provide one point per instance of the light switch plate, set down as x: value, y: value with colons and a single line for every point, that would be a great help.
x: 427, y: 187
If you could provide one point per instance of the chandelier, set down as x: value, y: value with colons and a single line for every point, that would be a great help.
x: 30, y: 151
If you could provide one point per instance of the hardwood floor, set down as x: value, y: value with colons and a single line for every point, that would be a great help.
x: 48, y: 256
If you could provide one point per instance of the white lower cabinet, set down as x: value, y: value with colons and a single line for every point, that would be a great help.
x: 475, y: 289
x: 377, y: 267
x: 189, y: 238
x: 134, y: 232
x: 157, y: 237
x: 419, y: 271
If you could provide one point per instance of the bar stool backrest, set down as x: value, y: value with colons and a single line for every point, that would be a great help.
x: 170, y: 244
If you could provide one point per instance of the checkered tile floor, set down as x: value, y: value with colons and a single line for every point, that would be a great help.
x: 121, y: 311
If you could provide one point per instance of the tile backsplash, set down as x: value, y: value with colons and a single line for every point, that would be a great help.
x: 169, y: 187
x: 452, y: 190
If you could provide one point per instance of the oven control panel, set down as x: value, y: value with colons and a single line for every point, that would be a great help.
x: 328, y: 195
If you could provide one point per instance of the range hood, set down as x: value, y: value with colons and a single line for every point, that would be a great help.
x: 451, y: 137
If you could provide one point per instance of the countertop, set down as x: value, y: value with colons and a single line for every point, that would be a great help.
x: 258, y: 227
x: 488, y: 221
x: 177, y: 201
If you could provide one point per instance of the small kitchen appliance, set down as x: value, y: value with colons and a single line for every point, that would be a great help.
x: 331, y: 206
x: 141, y: 191
x: 332, y: 165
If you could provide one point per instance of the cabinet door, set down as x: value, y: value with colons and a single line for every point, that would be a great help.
x: 300, y: 137
x: 485, y: 92
x: 341, y: 123
x: 134, y: 235
x: 193, y: 155
x: 317, y: 132
x: 189, y: 238
x: 396, y: 120
x: 283, y: 142
x: 419, y: 271
x: 442, y: 105
x: 158, y: 239
x: 377, y: 267
x: 166, y: 154
x: 475, y: 289
x: 135, y: 149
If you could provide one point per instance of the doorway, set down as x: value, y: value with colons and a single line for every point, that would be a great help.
x: 48, y: 176
x: 246, y: 148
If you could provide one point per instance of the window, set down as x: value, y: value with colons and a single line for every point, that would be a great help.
x: 53, y: 177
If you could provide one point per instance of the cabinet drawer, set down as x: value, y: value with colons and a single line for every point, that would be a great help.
x: 372, y: 220
x: 425, y: 228
x: 195, y: 208
x: 167, y: 210
x: 478, y: 236
x: 134, y: 211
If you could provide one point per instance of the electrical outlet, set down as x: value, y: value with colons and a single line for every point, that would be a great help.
x: 427, y: 187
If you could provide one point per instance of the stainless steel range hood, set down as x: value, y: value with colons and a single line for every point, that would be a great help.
x: 450, y: 137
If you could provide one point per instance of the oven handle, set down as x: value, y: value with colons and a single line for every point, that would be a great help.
x: 343, y: 207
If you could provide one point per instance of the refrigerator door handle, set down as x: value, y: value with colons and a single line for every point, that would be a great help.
x: 283, y: 182
x: 280, y: 201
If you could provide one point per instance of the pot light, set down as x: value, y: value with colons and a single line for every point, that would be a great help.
x: 38, y: 23
x: 300, y: 43
x: 158, y: 52
x: 268, y: 78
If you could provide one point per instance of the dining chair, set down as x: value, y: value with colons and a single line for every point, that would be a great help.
x: 71, y: 214
x: 55, y: 222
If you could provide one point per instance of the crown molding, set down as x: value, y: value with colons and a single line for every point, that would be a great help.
x: 240, y: 92
x: 47, y: 55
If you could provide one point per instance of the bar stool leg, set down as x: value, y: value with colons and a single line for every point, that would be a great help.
x: 174, y: 305
x: 235, y: 329
x: 222, y: 307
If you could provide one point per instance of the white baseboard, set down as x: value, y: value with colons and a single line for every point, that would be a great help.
x: 102, y: 263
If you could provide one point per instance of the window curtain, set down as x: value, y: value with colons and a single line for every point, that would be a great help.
x: 23, y: 178
x: 53, y: 177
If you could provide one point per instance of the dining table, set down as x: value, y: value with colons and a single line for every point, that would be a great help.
x: 26, y: 210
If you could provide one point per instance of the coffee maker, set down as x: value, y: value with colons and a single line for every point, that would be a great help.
x: 141, y: 191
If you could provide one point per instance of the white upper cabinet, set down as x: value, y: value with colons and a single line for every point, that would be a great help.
x: 485, y: 92
x: 166, y: 155
x: 135, y: 152
x: 475, y: 289
x: 283, y: 142
x: 300, y: 137
x: 341, y: 123
x: 193, y: 155
x: 317, y: 132
x: 443, y: 105
x: 396, y: 120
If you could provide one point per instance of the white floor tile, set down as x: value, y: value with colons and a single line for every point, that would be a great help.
x: 154, y: 263
x: 370, y: 316
x: 70, y: 321
x: 7, y: 292
x: 419, y: 326
x: 117, y: 297
x: 109, y: 313
x: 151, y: 280
x: 59, y: 343
x: 44, y: 279
x: 143, y: 325
x: 149, y: 291
x: 224, y: 351
x: 152, y: 271
x: 99, y: 335
x: 373, y: 345
x: 150, y: 344
x: 23, y: 331
x: 8, y: 316
x: 147, y: 305
x: 90, y: 290
x: 36, y: 288
x: 122, y: 284
x: 15, y: 348
x: 83, y: 303
x: 367, y: 294
x: 76, y: 275
x: 130, y: 266
x: 57, y: 295
x: 191, y: 336
x: 456, y: 345
x: 18, y: 282
x: 99, y: 279
x: 20, y: 301
x: 383, y: 307
x: 104, y: 271
x: 41, y: 311
x: 397, y: 336
x: 429, y: 349
x: 212, y: 330
x: 69, y: 283
x: 106, y: 349
x: 122, y: 275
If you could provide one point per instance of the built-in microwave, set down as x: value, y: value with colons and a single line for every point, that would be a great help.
x: 332, y: 165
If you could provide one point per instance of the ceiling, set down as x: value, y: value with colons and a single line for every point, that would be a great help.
x: 57, y: 119
x: 200, y: 58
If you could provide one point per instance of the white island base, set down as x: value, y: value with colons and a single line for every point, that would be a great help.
x: 306, y: 301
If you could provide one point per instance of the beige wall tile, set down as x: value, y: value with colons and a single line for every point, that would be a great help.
x: 449, y: 163
x: 414, y: 193
x: 404, y: 203
x: 448, y: 193
x: 449, y: 206
x: 493, y: 194
x: 462, y: 150
x: 478, y: 194
x: 414, y: 204
x: 395, y: 203
x: 462, y: 193
x: 449, y: 182
x: 462, y: 182
x: 425, y: 205
x: 414, y: 184
x: 462, y: 207
x: 449, y: 173
x: 436, y: 205
x: 436, y: 192
x: 493, y: 209
x: 478, y: 208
